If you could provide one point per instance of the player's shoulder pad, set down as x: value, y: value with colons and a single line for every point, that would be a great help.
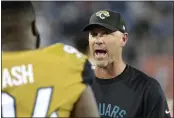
x: 88, y: 73
x: 71, y: 50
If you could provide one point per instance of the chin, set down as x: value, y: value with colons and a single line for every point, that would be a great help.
x: 101, y: 64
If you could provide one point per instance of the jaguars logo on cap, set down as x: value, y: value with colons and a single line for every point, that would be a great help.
x: 103, y: 14
x: 124, y: 27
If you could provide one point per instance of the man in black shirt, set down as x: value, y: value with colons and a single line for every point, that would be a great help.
x: 121, y: 91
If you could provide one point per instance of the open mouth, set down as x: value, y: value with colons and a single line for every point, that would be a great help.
x: 99, y: 51
x: 100, y: 54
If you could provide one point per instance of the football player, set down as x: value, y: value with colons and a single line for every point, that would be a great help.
x: 45, y: 82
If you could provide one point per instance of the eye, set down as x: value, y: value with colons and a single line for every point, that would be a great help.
x: 93, y: 34
x: 107, y: 32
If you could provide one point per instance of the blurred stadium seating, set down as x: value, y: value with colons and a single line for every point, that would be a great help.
x: 150, y: 28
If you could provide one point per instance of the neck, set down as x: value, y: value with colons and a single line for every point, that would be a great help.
x: 111, y: 71
x: 18, y: 42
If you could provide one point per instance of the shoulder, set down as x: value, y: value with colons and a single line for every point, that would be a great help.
x: 64, y: 53
x: 154, y: 90
x: 73, y: 60
x: 142, y: 80
x: 87, y: 72
x: 138, y: 75
x: 146, y: 84
x: 62, y: 49
x: 153, y: 97
x: 79, y: 61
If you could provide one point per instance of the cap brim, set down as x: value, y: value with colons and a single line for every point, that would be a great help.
x: 94, y: 25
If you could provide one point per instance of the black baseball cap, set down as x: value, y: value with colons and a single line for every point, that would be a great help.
x: 108, y: 19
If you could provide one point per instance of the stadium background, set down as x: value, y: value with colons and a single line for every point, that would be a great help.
x: 150, y: 28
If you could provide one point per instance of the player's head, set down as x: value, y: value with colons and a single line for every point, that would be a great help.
x: 107, y: 37
x: 18, y: 26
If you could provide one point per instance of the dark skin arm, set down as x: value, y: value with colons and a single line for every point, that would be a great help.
x: 86, y: 105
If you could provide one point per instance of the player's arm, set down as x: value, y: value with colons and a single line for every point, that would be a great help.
x: 86, y: 105
x: 155, y: 104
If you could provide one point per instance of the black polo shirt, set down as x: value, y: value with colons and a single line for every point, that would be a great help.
x: 132, y: 94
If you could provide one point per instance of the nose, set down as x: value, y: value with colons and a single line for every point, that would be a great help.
x: 99, y: 40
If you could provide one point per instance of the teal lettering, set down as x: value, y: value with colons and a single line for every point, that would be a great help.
x: 111, y: 111
x: 101, y: 109
x: 122, y: 113
x: 107, y: 113
x: 115, y: 111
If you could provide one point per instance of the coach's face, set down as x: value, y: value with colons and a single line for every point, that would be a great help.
x: 106, y: 46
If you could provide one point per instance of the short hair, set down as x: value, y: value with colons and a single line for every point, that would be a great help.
x: 15, y: 5
x: 15, y: 9
x: 17, y: 16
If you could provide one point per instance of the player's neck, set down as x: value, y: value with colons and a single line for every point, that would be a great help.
x: 16, y: 42
x: 111, y: 71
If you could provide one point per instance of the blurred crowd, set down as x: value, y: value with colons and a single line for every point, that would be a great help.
x: 150, y: 29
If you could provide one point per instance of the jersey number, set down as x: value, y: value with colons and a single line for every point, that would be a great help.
x: 72, y: 50
x: 40, y: 108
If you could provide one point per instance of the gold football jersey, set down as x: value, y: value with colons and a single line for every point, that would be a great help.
x: 44, y: 82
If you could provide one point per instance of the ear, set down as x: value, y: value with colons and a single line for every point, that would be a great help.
x: 36, y: 34
x: 34, y: 29
x: 124, y: 39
